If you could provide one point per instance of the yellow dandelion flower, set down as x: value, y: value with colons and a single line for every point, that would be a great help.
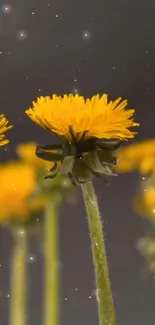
x: 17, y: 183
x: 81, y: 125
x: 95, y: 117
x: 140, y: 156
x: 4, y: 128
x: 145, y: 203
x: 26, y: 151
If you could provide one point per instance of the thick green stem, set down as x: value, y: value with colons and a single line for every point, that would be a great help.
x: 51, y: 294
x: 18, y: 279
x: 103, y: 288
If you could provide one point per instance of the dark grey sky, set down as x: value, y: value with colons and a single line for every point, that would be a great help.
x: 91, y: 47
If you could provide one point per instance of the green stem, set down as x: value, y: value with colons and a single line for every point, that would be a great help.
x: 103, y: 289
x: 18, y: 279
x: 51, y: 296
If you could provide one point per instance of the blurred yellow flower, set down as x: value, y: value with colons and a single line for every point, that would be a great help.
x: 18, y: 184
x: 140, y: 156
x: 144, y: 203
x: 26, y: 152
x: 4, y: 128
x: 93, y: 117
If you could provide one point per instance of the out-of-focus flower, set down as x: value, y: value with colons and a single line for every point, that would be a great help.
x: 81, y: 125
x: 3, y: 129
x: 144, y: 202
x: 17, y: 196
x: 140, y: 156
x: 58, y: 188
x: 146, y: 247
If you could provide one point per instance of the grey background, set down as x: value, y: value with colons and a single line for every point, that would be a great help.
x: 117, y: 58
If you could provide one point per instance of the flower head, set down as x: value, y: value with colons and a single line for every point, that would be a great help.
x: 144, y: 203
x: 140, y: 156
x: 18, y: 184
x: 4, y: 128
x: 88, y: 118
x: 146, y: 247
x: 81, y: 125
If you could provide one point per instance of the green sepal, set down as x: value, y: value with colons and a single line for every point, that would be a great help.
x: 93, y: 162
x: 69, y: 149
x: 53, y: 146
x: 54, y: 168
x: 50, y: 176
x: 106, y: 156
x: 87, y: 145
x: 109, y: 145
x: 108, y: 170
x: 66, y: 165
x: 101, y: 176
x: 43, y: 153
x: 80, y: 171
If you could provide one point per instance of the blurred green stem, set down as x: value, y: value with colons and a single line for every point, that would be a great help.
x: 51, y: 297
x: 103, y: 289
x: 18, y: 279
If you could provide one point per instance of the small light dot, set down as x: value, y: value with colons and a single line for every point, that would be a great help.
x: 8, y: 296
x: 86, y: 35
x: 144, y: 189
x: 31, y: 258
x: 76, y: 289
x: 75, y: 90
x: 6, y: 9
x: 21, y: 232
x: 56, y: 16
x: 22, y: 35
x: 33, y: 13
x: 66, y: 298
x: 143, y: 177
x: 90, y: 297
x: 39, y: 89
x: 153, y: 210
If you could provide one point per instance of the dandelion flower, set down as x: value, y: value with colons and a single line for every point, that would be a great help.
x: 81, y: 125
x: 140, y: 156
x: 18, y: 184
x: 144, y: 203
x: 4, y: 128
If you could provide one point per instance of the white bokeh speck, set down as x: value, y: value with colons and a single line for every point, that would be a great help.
x: 22, y: 35
x: 6, y: 8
